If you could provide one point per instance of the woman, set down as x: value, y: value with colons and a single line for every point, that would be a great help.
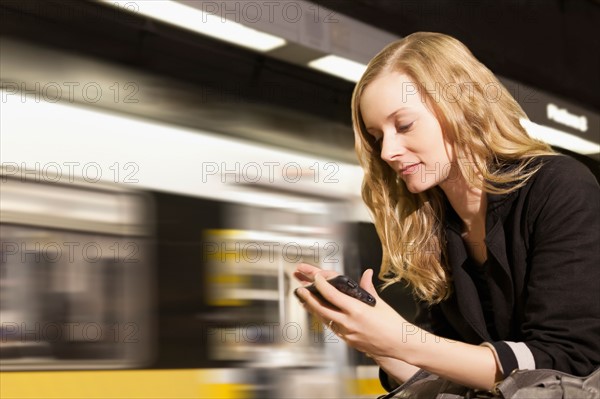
x: 496, y: 234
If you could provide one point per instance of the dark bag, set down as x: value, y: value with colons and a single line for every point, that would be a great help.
x: 521, y: 384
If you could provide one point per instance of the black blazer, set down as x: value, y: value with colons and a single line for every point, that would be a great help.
x: 543, y: 280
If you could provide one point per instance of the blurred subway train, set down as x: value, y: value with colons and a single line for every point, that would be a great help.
x: 148, y: 245
x: 143, y: 256
x: 196, y: 292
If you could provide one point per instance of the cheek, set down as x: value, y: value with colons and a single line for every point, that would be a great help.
x: 444, y: 146
x: 449, y: 151
x: 432, y: 139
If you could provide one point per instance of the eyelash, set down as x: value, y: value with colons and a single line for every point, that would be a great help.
x: 399, y: 129
x: 403, y: 129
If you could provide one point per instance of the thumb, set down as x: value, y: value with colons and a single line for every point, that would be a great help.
x: 366, y: 282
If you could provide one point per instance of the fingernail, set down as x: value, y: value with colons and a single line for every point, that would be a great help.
x: 299, y: 292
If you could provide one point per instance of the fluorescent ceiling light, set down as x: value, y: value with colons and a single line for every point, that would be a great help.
x: 198, y: 21
x: 561, y: 139
x: 339, y: 66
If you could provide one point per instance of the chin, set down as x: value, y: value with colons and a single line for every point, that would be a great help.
x: 415, y: 189
x: 419, y: 187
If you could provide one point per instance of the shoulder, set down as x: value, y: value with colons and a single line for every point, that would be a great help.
x: 562, y: 185
x: 560, y: 172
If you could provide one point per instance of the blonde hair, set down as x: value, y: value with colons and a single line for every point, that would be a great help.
x: 481, y: 121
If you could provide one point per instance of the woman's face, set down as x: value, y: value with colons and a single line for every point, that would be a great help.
x: 411, y: 138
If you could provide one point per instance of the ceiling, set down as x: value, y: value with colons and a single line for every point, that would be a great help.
x: 550, y: 45
x: 553, y: 45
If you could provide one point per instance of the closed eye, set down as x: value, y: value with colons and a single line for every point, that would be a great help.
x: 405, y: 128
x: 399, y: 129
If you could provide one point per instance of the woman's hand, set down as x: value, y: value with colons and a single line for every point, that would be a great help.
x: 396, y: 345
x: 375, y: 330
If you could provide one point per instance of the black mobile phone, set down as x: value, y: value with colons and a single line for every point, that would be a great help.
x: 348, y: 287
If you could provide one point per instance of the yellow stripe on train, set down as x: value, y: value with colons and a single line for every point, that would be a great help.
x: 132, y: 384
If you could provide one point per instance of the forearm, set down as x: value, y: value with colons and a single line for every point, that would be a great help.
x: 470, y: 365
x: 396, y: 369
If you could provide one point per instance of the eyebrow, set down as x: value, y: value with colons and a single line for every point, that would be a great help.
x: 390, y: 116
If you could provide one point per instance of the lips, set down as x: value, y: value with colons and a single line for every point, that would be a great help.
x: 410, y: 169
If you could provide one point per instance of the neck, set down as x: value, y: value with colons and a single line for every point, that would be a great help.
x: 470, y: 203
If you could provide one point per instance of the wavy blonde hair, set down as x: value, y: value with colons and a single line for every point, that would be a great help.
x: 479, y: 118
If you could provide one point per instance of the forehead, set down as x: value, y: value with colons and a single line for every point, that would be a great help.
x: 387, y: 94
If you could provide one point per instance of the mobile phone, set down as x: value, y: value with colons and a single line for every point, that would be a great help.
x: 348, y: 287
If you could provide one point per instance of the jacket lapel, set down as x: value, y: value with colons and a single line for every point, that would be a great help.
x: 467, y: 302
x: 465, y: 299
x: 500, y: 281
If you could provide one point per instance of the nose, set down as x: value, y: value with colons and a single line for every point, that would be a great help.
x: 391, y: 149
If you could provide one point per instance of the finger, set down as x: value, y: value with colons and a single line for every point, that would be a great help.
x: 306, y: 273
x: 307, y: 269
x: 317, y: 295
x: 302, y: 278
x: 316, y: 307
x: 332, y: 294
x: 366, y: 282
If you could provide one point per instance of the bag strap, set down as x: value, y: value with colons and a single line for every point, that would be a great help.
x: 419, y: 375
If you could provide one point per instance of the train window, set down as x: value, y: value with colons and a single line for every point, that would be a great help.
x: 71, y: 298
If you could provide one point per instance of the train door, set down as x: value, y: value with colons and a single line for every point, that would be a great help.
x: 263, y: 324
